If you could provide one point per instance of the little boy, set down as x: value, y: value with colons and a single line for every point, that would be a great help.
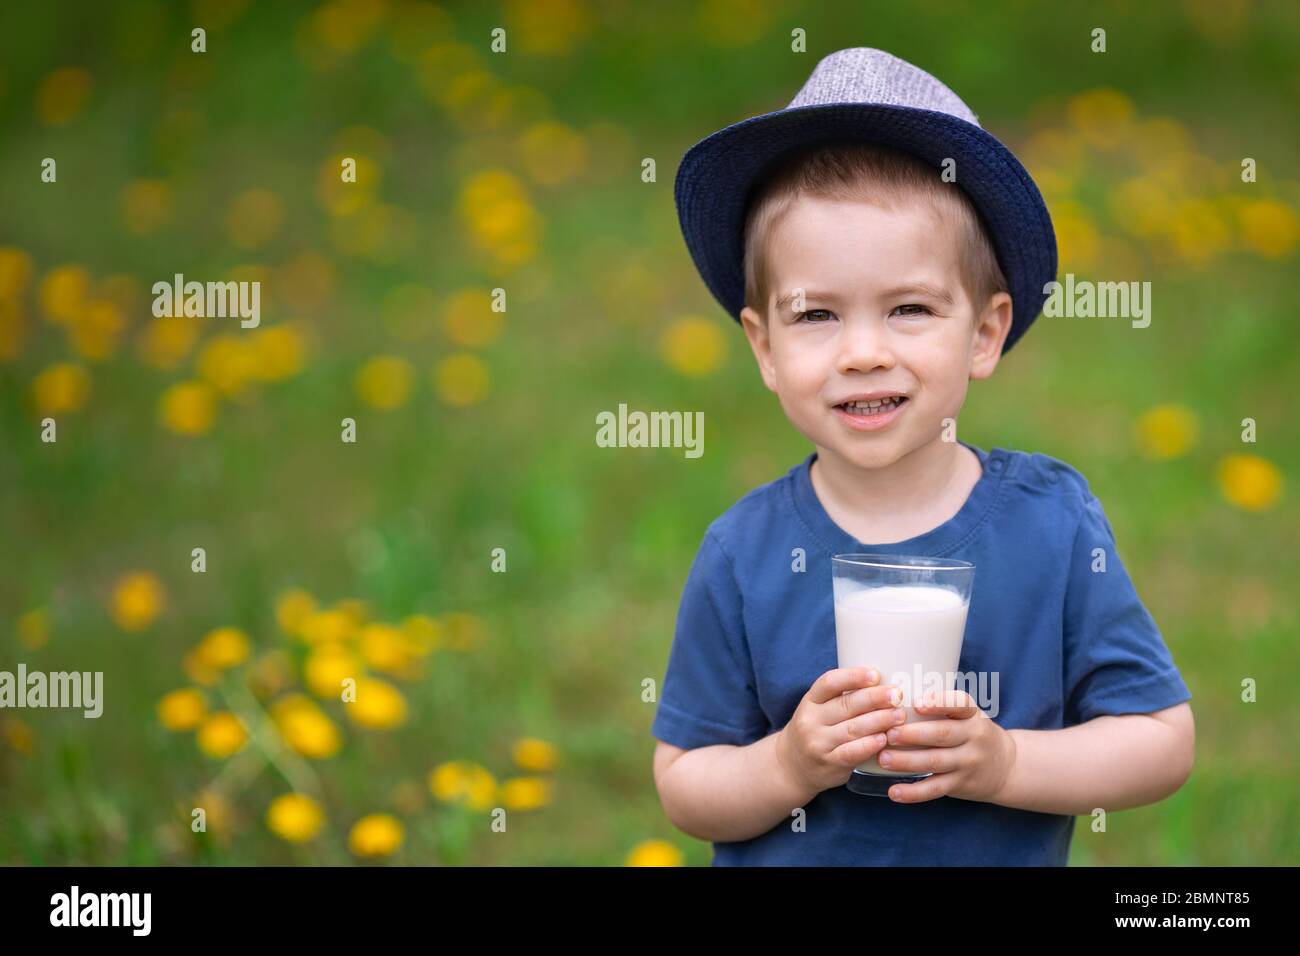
x: 880, y: 250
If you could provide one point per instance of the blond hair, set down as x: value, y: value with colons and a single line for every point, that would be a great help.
x: 866, y: 172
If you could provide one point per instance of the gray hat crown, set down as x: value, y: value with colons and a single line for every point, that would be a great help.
x: 864, y: 75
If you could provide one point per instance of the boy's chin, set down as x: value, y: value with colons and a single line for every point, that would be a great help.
x: 870, y: 452
x: 880, y: 455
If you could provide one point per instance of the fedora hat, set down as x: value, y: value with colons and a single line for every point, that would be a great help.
x: 867, y: 95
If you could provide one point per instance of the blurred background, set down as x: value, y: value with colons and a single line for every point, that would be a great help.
x: 475, y: 429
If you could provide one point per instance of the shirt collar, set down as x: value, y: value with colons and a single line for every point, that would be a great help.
x: 944, y: 539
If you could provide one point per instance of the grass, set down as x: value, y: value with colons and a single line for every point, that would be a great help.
x: 598, y: 541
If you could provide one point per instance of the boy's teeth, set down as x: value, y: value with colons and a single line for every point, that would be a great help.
x: 873, y: 407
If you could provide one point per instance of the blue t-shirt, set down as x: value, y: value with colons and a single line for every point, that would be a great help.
x: 1069, y: 643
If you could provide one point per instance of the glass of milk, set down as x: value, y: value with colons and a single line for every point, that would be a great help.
x: 904, y: 616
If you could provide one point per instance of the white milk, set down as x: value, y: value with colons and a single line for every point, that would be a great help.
x: 897, y: 630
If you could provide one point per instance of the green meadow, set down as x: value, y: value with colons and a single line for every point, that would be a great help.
x: 202, y: 531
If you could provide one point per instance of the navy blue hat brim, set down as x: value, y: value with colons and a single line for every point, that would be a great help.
x: 717, y: 175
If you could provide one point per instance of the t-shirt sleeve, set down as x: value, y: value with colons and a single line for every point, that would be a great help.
x: 1116, y: 661
x: 709, y: 692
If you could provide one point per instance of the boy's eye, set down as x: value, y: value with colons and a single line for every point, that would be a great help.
x: 803, y: 316
x: 920, y: 309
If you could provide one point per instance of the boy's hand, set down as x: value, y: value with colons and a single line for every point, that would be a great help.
x: 840, y: 723
x: 970, y: 755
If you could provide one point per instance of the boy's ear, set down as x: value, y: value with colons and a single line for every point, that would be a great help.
x: 760, y: 343
x: 991, y: 329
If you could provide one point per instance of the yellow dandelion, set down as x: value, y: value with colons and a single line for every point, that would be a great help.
x: 146, y: 206
x: 535, y: 755
x: 1055, y: 149
x: 219, y: 816
x: 18, y: 735
x: 1250, y: 482
x: 305, y: 727
x: 327, y: 667
x: 379, y: 705
x: 221, y: 734
x: 1198, y: 231
x: 475, y: 100
x: 327, y: 626
x: 1161, y: 137
x: 95, y: 331
x: 379, y: 834
x: 188, y: 408
x: 525, y: 793
x: 182, y: 709
x: 385, y: 648
x: 693, y: 345
x: 1103, y: 117
x: 1076, y: 235
x: 15, y: 271
x: 1166, y: 431
x: 124, y: 291
x: 63, y: 293
x: 344, y: 197
x: 1269, y: 228
x: 463, y: 782
x: 441, y: 61
x: 34, y: 629
x: 138, y: 598
x: 229, y: 363
x: 344, y: 25
x: 423, y: 633
x: 61, y: 387
x: 1141, y: 206
x: 499, y: 215
x: 254, y: 218
x: 654, y: 853
x: 167, y: 340
x: 412, y: 669
x: 223, y: 648
x: 468, y: 318
x: 62, y: 95
x: 277, y: 353
x: 292, y: 609
x: 553, y: 153
x: 199, y: 672
x: 461, y: 379
x: 384, y: 382
x: 548, y: 27
x: 295, y: 817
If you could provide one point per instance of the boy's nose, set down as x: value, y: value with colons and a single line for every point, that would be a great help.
x: 864, y: 345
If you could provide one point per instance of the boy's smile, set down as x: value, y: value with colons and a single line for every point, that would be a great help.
x: 870, y: 341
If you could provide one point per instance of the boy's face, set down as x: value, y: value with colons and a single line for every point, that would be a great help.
x: 883, y: 310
